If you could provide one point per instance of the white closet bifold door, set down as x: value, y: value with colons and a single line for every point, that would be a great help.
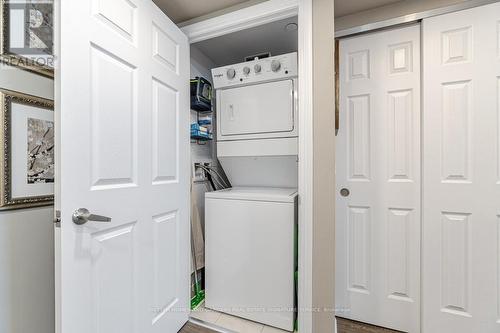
x: 461, y: 171
x: 378, y: 161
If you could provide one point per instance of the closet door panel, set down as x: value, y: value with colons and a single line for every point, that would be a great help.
x: 378, y: 161
x: 461, y: 188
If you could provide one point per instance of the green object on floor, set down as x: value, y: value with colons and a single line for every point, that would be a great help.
x: 296, y: 322
x: 199, y: 296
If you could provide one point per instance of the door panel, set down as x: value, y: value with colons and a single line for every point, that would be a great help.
x: 461, y: 251
x: 123, y: 113
x: 378, y: 161
x: 113, y: 152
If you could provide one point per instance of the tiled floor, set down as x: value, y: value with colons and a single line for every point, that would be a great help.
x: 194, y: 328
x: 232, y: 323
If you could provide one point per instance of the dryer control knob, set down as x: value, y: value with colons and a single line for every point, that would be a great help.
x: 246, y: 70
x: 231, y: 73
x: 275, y: 65
x: 257, y: 68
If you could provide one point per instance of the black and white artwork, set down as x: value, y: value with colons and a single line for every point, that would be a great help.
x: 28, y: 157
x: 40, y: 151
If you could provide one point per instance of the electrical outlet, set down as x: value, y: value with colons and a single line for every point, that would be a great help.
x: 199, y: 174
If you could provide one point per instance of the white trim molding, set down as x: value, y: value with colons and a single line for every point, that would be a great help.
x: 410, y: 18
x: 245, y: 18
x: 305, y: 259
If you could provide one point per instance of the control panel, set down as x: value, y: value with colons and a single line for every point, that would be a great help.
x: 256, y: 71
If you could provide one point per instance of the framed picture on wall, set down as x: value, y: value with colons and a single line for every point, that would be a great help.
x: 26, y: 35
x: 27, y: 151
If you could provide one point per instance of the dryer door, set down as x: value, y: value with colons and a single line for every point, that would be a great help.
x: 258, y: 111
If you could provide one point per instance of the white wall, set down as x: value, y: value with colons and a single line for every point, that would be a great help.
x: 391, y: 11
x: 26, y: 271
x: 26, y: 243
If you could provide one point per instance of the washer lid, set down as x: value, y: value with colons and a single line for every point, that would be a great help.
x: 273, y: 194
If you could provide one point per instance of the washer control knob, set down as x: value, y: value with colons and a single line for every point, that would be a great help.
x: 231, y: 73
x: 275, y: 65
x: 246, y: 70
x: 257, y: 68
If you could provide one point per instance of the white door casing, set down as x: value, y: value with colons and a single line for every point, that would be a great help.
x: 461, y: 167
x: 378, y: 160
x: 124, y: 145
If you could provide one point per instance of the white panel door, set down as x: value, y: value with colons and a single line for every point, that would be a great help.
x: 123, y: 115
x: 378, y: 161
x: 461, y: 168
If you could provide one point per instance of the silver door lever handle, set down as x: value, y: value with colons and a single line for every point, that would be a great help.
x: 82, y: 216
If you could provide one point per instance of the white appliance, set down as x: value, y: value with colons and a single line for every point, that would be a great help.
x: 249, y: 229
x: 257, y: 99
x: 257, y: 121
x: 250, y: 253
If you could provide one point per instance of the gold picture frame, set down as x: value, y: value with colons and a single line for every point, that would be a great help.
x: 22, y: 108
x: 16, y: 60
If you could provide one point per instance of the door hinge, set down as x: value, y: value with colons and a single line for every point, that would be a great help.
x: 57, y: 218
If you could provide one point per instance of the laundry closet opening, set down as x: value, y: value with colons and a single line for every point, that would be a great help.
x: 244, y: 160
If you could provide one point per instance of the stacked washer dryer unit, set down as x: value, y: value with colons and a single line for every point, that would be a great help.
x: 249, y: 229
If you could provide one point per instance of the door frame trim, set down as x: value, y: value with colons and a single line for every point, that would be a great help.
x: 245, y: 18
x: 259, y: 14
x: 410, y: 18
x: 306, y: 169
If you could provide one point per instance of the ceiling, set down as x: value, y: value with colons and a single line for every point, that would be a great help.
x: 233, y: 48
x: 183, y: 10
x: 347, y: 7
